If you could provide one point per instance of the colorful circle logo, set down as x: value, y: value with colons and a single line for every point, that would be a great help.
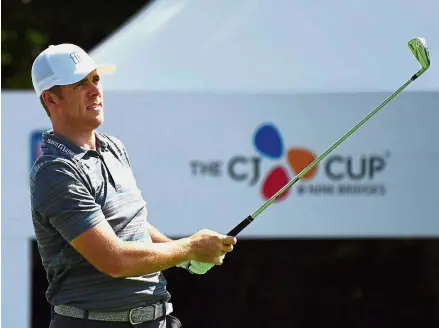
x: 268, y: 142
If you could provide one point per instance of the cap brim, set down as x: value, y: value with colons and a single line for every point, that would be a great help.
x: 75, y: 77
x: 105, y: 68
x: 79, y: 75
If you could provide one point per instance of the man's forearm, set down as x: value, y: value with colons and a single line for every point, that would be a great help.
x: 156, y: 236
x: 108, y: 253
x: 163, y: 253
x: 138, y: 258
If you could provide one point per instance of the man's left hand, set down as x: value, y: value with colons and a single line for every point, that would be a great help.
x: 197, y: 267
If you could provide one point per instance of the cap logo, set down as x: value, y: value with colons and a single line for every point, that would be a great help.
x: 75, y: 57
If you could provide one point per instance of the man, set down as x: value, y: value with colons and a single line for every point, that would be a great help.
x: 103, y: 259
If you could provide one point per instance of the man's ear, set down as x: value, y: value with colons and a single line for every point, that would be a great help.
x: 50, y: 98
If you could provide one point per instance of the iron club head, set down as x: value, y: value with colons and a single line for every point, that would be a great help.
x: 418, y: 47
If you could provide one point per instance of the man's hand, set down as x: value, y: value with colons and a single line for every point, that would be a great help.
x: 210, y: 247
x: 196, y: 267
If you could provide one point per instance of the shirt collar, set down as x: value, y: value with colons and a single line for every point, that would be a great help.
x: 101, y: 143
x: 57, y: 143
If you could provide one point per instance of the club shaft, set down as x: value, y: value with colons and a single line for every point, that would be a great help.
x: 244, y: 223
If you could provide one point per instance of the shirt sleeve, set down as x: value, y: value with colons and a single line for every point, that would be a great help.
x: 61, y: 198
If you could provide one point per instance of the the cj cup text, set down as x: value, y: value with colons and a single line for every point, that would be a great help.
x: 335, y: 174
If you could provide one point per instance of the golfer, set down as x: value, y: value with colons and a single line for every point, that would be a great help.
x: 103, y: 259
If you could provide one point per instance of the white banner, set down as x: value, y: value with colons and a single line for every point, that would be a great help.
x: 204, y: 161
x: 209, y: 160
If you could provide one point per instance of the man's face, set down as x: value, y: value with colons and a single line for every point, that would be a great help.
x: 81, y: 104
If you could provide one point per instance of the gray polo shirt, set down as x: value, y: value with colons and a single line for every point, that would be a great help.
x: 73, y: 189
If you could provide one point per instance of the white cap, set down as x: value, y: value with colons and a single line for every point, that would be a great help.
x: 63, y: 64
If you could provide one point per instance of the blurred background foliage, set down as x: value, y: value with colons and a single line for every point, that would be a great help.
x: 29, y: 26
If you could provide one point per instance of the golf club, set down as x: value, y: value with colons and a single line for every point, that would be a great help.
x: 419, y: 49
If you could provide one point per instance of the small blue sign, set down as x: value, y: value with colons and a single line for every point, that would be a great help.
x: 36, y: 139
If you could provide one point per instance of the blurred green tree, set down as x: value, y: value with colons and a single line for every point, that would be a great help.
x: 29, y: 26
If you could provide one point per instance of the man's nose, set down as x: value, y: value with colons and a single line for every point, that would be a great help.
x: 95, y: 90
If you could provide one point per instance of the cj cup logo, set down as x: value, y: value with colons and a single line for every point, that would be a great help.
x: 337, y: 174
x: 269, y: 143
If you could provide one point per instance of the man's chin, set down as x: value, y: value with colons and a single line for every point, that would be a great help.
x: 96, y: 122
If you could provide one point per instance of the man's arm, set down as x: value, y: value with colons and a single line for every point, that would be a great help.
x: 104, y: 250
x: 61, y: 198
x: 156, y: 235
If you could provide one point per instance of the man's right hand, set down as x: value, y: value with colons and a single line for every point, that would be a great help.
x: 209, y: 246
